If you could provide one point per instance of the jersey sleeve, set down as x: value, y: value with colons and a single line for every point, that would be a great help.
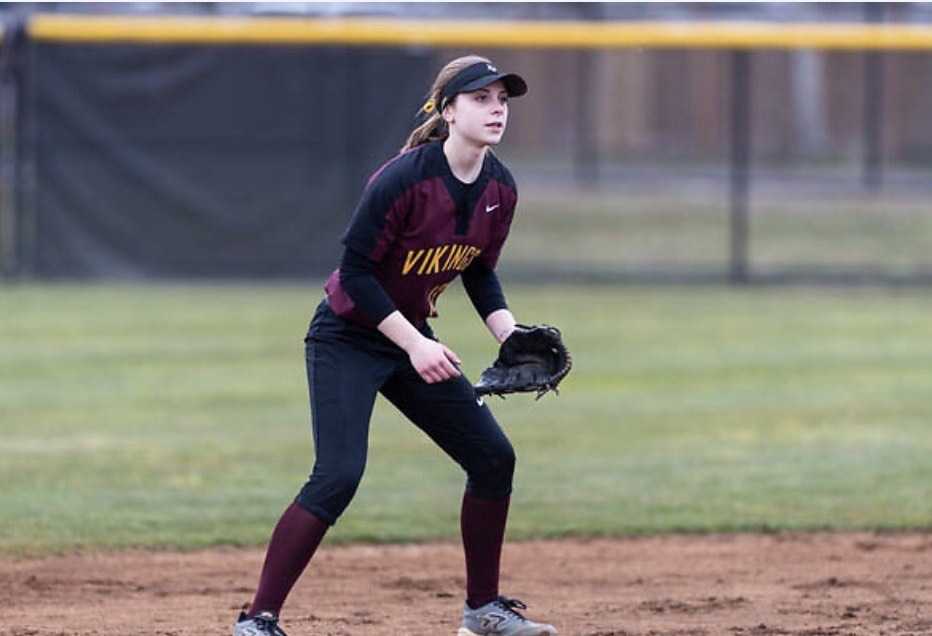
x: 484, y: 289
x: 357, y: 277
x: 378, y: 217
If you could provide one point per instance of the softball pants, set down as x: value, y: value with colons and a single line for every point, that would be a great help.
x: 347, y: 366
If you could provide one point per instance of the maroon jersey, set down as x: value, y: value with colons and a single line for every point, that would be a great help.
x: 420, y: 227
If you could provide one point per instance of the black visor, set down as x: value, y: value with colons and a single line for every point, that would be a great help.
x: 480, y: 75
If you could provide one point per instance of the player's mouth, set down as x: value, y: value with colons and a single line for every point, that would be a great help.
x: 498, y: 126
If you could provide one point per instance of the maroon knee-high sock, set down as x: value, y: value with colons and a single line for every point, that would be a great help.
x: 482, y: 523
x: 293, y: 543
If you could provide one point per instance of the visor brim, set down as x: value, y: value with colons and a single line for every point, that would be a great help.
x: 514, y: 84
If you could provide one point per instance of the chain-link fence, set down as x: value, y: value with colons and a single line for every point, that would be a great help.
x: 688, y: 159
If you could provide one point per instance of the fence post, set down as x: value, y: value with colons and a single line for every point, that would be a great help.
x: 740, y: 164
x: 586, y: 161
x: 13, y: 37
x: 872, y: 171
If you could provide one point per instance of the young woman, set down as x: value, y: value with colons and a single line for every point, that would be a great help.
x: 441, y: 208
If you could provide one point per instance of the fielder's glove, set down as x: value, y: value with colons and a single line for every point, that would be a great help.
x: 532, y: 359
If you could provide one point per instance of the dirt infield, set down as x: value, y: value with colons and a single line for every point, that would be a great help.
x: 802, y: 584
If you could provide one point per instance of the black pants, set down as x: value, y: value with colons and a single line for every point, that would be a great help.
x: 347, y: 365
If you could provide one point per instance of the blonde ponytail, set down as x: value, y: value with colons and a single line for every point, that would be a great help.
x: 434, y: 128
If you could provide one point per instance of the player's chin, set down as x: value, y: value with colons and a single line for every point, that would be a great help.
x: 485, y: 137
x: 493, y: 136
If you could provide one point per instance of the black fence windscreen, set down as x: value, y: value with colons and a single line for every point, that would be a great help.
x: 152, y: 160
x: 644, y: 164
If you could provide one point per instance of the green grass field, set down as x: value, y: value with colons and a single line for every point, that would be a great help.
x: 688, y: 228
x: 176, y: 416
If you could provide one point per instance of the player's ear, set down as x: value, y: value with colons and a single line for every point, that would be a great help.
x: 447, y: 114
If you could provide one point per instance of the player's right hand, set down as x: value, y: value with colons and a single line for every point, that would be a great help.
x: 434, y: 362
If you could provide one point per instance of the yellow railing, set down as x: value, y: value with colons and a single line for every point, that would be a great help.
x: 468, y: 33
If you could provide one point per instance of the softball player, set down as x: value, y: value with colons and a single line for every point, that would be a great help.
x: 441, y: 208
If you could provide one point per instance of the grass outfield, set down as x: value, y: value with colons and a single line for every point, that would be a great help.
x: 177, y: 416
x: 686, y: 228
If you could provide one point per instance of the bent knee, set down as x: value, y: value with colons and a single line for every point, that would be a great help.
x: 504, y: 461
x: 328, y: 493
x: 494, y: 479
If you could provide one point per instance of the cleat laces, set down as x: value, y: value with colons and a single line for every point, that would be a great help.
x: 268, y: 622
x: 511, y: 606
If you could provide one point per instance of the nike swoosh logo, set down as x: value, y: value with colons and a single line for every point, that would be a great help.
x: 489, y: 208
